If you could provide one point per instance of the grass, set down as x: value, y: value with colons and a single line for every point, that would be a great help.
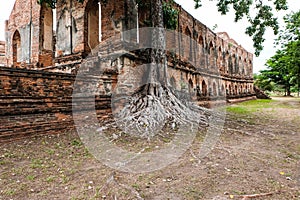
x: 50, y: 179
x: 36, y: 163
x: 30, y: 177
x: 252, y: 106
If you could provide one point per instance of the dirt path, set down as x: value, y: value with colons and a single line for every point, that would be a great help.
x: 257, y: 153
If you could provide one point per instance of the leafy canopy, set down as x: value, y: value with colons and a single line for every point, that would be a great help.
x: 284, y: 67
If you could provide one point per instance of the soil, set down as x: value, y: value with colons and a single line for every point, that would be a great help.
x: 258, y: 152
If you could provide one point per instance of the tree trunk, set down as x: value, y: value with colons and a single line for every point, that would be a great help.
x: 288, y: 89
x: 158, y: 66
x: 157, y: 74
x: 155, y: 104
x: 298, y: 80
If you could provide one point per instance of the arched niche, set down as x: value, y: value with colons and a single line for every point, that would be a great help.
x: 16, y: 44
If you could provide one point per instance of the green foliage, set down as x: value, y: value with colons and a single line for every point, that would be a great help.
x: 263, y: 19
x: 278, y: 70
x: 284, y: 66
x: 263, y: 82
x: 291, y: 31
x: 170, y: 15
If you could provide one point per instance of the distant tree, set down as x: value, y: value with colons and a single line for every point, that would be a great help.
x: 289, y: 40
x: 280, y: 70
x: 263, y: 82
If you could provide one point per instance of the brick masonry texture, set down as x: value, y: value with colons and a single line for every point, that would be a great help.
x: 41, y: 64
x: 38, y: 102
x: 2, y: 54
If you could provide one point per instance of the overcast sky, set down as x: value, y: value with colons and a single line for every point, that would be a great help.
x: 209, y: 16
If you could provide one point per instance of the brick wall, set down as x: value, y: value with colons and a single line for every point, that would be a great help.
x: 2, y: 54
x: 19, y: 20
x: 36, y: 102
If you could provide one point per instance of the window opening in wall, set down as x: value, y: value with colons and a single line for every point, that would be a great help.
x: 222, y: 90
x: 191, y: 86
x: 16, y: 48
x: 214, y: 89
x: 94, y: 24
x: 204, y: 88
x: 47, y: 29
x: 189, y: 46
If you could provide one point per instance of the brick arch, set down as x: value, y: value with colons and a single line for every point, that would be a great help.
x: 210, y: 47
x: 201, y: 51
x: 222, y: 90
x: 214, y: 89
x: 229, y: 89
x: 188, y: 47
x: 191, y: 86
x: 220, y: 49
x: 230, y: 64
x: 187, y: 31
x: 239, y: 64
x: 204, y: 87
x: 220, y: 54
x: 16, y: 45
x: 201, y: 41
x: 234, y: 59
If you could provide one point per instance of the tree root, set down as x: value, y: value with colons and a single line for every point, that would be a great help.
x: 145, y: 114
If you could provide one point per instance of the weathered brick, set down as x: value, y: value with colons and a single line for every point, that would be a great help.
x: 37, y: 98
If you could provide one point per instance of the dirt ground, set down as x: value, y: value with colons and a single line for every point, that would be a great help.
x: 256, y: 157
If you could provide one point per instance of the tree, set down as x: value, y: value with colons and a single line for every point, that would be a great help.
x: 263, y: 82
x: 155, y: 103
x: 263, y: 18
x: 289, y: 39
x: 280, y: 70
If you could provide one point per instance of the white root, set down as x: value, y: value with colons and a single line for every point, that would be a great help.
x: 145, y: 115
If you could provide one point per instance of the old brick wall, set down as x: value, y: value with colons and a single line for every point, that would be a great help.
x: 36, y: 102
x: 2, y: 54
x: 212, y: 62
x: 207, y: 64
x: 24, y: 18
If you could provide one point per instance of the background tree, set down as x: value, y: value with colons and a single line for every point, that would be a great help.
x: 279, y: 71
x: 263, y: 82
x: 289, y: 40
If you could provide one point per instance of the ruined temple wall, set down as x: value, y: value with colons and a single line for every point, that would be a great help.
x: 2, y: 54
x: 69, y: 25
x: 37, y: 102
x: 216, y: 48
x: 73, y: 15
x: 216, y: 54
x: 19, y: 20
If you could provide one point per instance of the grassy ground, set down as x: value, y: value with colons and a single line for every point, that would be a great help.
x: 257, y: 153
